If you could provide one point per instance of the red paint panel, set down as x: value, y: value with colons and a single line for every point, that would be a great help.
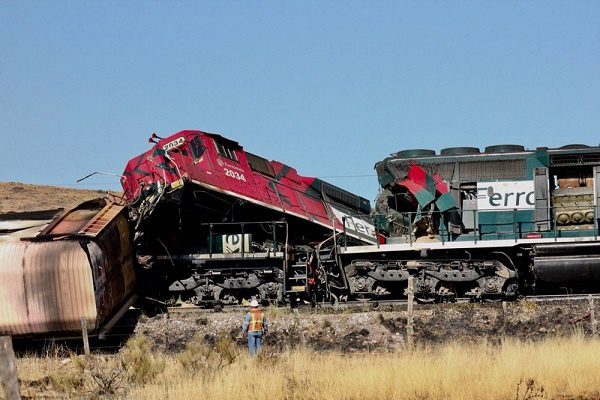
x: 223, y: 164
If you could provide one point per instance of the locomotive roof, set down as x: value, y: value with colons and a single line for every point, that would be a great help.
x: 495, y: 152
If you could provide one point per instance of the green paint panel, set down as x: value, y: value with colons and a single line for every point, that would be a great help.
x: 506, y: 222
x: 445, y: 202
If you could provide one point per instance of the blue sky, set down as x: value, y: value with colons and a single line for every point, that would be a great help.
x: 328, y: 87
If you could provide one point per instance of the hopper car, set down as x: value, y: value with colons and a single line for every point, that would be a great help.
x: 62, y: 270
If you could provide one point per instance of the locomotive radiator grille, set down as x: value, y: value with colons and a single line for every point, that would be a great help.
x: 492, y: 170
x: 470, y: 171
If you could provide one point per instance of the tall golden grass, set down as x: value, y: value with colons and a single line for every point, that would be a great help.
x: 554, y: 368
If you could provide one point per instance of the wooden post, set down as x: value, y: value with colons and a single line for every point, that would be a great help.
x: 409, y: 324
x: 84, y: 335
x: 592, y: 315
x: 504, y: 316
x: 8, y: 372
x: 299, y: 326
x: 165, y: 318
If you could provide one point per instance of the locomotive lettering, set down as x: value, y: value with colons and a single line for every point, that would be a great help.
x: 233, y: 243
x: 173, y: 144
x: 234, y: 174
x: 354, y: 224
x: 505, y: 195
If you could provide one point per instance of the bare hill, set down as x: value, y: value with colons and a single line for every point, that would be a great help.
x: 19, y: 197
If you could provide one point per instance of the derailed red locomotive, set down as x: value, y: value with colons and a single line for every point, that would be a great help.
x: 216, y: 224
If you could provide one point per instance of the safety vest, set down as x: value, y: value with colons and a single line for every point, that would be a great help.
x: 256, y: 321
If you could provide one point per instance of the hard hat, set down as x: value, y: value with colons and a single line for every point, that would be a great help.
x: 254, y: 303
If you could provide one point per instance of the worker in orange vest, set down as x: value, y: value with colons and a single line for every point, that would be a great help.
x: 255, y: 326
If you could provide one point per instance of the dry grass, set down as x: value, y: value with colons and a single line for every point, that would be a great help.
x: 557, y: 368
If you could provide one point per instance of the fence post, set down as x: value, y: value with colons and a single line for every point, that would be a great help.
x: 504, y: 316
x: 84, y: 335
x: 299, y: 326
x: 8, y: 372
x: 165, y: 318
x: 592, y: 315
x: 410, y: 332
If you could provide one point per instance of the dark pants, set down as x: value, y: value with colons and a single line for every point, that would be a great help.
x: 254, y: 342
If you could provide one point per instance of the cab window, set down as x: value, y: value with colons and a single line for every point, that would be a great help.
x: 196, y: 147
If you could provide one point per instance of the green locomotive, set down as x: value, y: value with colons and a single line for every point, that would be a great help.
x: 482, y: 224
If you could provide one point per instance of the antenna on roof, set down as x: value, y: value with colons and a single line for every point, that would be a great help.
x: 98, y: 173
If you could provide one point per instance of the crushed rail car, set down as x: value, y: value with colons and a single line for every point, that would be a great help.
x: 59, y: 267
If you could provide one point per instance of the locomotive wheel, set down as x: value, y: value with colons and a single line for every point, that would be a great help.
x: 364, y: 296
x: 427, y: 298
x: 492, y: 300
x: 426, y: 290
x: 511, y: 288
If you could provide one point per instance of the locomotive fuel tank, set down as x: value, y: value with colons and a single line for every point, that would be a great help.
x: 567, y: 264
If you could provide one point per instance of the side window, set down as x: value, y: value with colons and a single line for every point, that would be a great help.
x: 225, y: 151
x: 196, y: 147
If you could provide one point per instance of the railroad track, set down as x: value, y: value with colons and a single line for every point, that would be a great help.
x: 125, y: 327
x: 376, y: 304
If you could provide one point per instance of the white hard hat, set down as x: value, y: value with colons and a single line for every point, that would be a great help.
x: 254, y: 303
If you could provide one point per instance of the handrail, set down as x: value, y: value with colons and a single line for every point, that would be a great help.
x: 242, y: 226
x: 522, y: 223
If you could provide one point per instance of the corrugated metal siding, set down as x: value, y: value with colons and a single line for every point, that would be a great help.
x: 46, y: 287
x: 13, y: 308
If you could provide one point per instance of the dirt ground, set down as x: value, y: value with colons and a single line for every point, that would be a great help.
x: 364, y: 329
x: 20, y: 197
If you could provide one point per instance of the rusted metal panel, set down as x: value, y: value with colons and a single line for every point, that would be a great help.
x: 46, y: 287
x: 54, y: 272
x: 13, y: 307
x: 71, y: 222
x: 101, y: 220
x: 14, y: 226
